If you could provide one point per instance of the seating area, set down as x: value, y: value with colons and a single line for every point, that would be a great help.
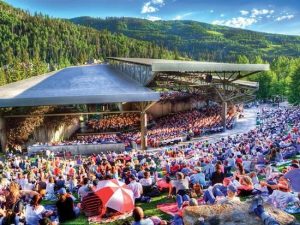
x: 170, y: 129
x: 114, y: 123
x: 262, y: 164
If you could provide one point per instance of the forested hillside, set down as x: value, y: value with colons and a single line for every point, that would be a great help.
x: 33, y: 44
x: 200, y: 41
x: 207, y: 42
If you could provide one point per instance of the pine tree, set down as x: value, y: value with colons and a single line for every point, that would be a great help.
x: 294, y: 87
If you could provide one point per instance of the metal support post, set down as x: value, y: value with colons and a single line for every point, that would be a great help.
x: 224, y: 113
x: 143, y: 130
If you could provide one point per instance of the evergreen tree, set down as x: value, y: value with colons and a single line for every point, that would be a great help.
x: 294, y: 87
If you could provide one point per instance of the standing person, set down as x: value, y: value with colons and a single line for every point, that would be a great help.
x: 65, y: 206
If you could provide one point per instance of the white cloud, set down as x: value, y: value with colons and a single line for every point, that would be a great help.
x: 222, y: 15
x: 239, y: 22
x: 180, y: 17
x: 148, y: 8
x: 158, y: 2
x: 244, y: 12
x: 211, y: 11
x: 258, y: 12
x: 153, y: 18
x: 287, y: 17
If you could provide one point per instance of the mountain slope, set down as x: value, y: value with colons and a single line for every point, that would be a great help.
x: 200, y: 40
x: 34, y: 44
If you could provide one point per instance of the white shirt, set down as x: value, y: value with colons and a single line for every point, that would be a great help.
x: 136, y: 188
x: 280, y: 199
x: 33, y: 215
x: 146, y: 182
x: 50, y: 188
x: 82, y: 191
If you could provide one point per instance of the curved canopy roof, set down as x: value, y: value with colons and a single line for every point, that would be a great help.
x: 163, y: 65
x: 76, y: 85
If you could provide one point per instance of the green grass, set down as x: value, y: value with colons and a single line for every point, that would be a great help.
x: 149, y: 210
x: 212, y: 32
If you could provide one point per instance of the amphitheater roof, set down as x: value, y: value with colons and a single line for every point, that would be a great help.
x: 163, y: 65
x: 89, y: 84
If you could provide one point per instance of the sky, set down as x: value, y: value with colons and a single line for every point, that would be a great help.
x: 272, y: 16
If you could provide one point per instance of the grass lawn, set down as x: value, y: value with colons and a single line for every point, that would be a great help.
x: 149, y: 209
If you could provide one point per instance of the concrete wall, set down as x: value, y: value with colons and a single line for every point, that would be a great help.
x: 3, y: 137
x: 79, y: 149
x: 159, y: 109
x: 51, y: 134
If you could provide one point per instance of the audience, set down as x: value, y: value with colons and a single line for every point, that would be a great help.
x: 226, y: 169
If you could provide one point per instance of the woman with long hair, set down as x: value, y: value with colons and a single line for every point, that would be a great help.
x: 246, y: 186
x: 35, y: 211
x: 65, y: 206
x: 240, y: 172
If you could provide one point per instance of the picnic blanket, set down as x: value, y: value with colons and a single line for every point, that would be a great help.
x: 99, y: 219
x: 171, y: 208
x: 168, y: 208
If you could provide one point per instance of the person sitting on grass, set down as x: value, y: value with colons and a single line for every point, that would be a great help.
x: 35, y: 211
x: 139, y: 218
x: 177, y: 220
x: 246, y: 187
x: 91, y: 204
x: 181, y: 186
x: 217, y: 176
x: 258, y: 208
x: 65, y: 206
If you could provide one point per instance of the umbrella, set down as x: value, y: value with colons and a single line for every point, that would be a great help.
x: 116, y: 195
x: 294, y: 178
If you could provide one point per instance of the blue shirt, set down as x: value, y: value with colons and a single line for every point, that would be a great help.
x: 147, y: 221
x: 198, y: 178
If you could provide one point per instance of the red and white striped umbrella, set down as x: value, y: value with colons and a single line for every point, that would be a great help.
x: 116, y: 195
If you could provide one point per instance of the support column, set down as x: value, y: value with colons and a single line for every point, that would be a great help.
x: 3, y: 137
x: 143, y: 130
x: 224, y: 113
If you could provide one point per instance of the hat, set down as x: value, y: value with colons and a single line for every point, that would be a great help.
x: 62, y: 191
x: 232, y: 188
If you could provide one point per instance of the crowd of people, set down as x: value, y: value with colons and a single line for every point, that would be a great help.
x: 117, y: 122
x: 169, y: 129
x: 179, y: 96
x: 218, y: 172
x: 176, y: 127
x: 104, y: 138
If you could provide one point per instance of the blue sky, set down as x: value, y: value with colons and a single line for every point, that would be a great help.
x: 274, y: 16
